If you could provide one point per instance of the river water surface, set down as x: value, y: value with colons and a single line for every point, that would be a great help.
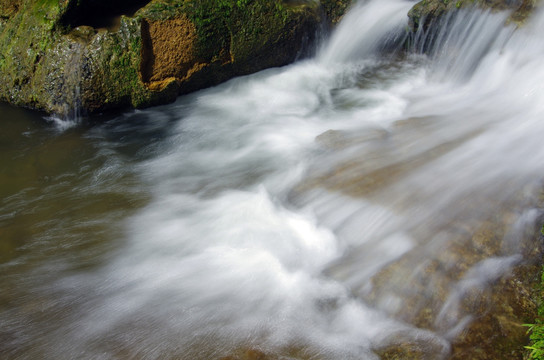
x: 322, y: 210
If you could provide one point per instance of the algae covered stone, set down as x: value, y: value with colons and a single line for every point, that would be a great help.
x: 79, y: 56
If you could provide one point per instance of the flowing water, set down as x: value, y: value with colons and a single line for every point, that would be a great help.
x: 323, y: 210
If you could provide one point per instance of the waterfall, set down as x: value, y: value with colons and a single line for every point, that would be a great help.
x: 367, y: 27
x: 68, y: 106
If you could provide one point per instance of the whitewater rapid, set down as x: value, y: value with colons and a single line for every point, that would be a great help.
x: 277, y: 201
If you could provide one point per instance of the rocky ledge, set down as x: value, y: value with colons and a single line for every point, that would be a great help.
x: 66, y: 56
x: 428, y: 12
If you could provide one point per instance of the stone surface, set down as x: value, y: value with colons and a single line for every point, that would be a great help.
x: 68, y: 57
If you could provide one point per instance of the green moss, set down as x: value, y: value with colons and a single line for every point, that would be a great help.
x: 536, y: 330
x: 32, y: 27
x: 536, y: 333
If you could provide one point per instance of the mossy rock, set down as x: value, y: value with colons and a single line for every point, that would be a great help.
x: 71, y: 57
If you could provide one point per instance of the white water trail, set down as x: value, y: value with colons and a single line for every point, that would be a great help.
x: 261, y: 233
x: 69, y: 105
x: 364, y: 29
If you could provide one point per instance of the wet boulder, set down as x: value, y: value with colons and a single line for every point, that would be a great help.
x: 70, y: 57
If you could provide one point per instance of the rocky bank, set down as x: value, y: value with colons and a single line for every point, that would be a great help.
x: 82, y: 56
x: 69, y: 56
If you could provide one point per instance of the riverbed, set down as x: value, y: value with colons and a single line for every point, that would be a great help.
x: 360, y: 204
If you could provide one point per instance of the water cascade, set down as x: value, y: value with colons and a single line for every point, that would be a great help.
x: 357, y: 205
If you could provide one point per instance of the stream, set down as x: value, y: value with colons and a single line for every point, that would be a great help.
x: 352, y: 204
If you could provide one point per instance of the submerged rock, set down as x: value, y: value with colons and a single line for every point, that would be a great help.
x: 471, y: 277
x: 66, y: 56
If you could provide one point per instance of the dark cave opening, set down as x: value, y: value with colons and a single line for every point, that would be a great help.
x: 99, y: 13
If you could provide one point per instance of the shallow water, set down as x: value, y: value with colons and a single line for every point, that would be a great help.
x: 312, y: 211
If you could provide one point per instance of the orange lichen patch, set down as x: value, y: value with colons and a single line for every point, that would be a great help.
x: 196, y: 68
x: 159, y: 85
x: 168, y: 50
